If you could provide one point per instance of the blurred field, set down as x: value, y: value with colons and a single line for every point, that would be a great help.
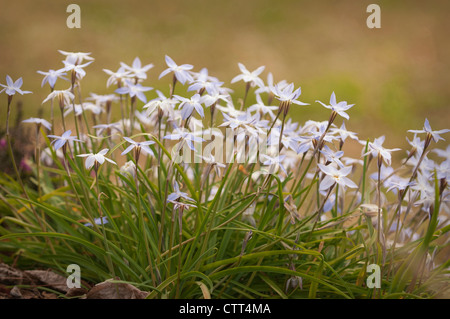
x: 396, y: 75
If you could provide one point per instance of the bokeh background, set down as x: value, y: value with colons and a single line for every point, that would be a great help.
x: 396, y: 75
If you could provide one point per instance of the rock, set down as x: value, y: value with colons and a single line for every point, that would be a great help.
x: 50, y: 279
x: 109, y: 290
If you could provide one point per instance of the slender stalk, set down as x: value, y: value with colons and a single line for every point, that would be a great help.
x: 141, y: 217
x: 100, y: 212
x: 13, y: 160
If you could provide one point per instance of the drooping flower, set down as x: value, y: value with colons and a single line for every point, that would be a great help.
x: 80, y: 108
x: 210, y: 160
x: 63, y: 96
x: 108, y: 127
x: 39, y: 122
x: 77, y: 56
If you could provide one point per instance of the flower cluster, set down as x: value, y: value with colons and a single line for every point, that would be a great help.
x: 258, y: 137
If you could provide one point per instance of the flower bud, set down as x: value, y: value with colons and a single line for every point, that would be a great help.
x: 128, y: 168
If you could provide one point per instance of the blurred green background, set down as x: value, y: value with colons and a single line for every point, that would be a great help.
x: 396, y: 75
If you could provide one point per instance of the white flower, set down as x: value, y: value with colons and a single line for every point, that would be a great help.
x: 177, y: 194
x: 261, y: 107
x: 214, y: 96
x: 136, y: 69
x: 443, y: 153
x: 204, y: 82
x: 71, y: 64
x: 376, y: 149
x: 427, y: 129
x: 79, y: 56
x: 332, y: 156
x: 187, y: 106
x: 181, y: 206
x: 334, y: 175
x: 12, y: 87
x: 164, y: 104
x: 103, y: 100
x: 210, y: 160
x: 286, y: 93
x: 51, y: 76
x: 80, y: 108
x: 343, y: 133
x: 181, y: 71
x: 102, y: 127
x: 184, y: 135
x: 128, y: 168
x: 274, y: 162
x: 61, y: 140
x: 96, y: 159
x: 138, y: 145
x: 249, y: 77
x: 63, y: 96
x: 339, y: 108
x: 134, y: 90
x: 47, y: 156
x: 286, y: 140
x: 38, y: 121
x: 117, y: 77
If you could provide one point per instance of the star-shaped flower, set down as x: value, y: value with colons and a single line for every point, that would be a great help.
x: 138, y: 145
x: 60, y: 141
x: 376, y: 149
x: 187, y: 106
x: 96, y: 159
x: 71, y: 64
x: 184, y: 135
x: 339, y: 108
x: 181, y: 71
x: 286, y: 93
x: 12, y: 87
x: 427, y: 130
x: 334, y: 175
x: 136, y: 69
x: 51, y: 76
x: 249, y: 77
x: 134, y: 90
x: 177, y: 194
